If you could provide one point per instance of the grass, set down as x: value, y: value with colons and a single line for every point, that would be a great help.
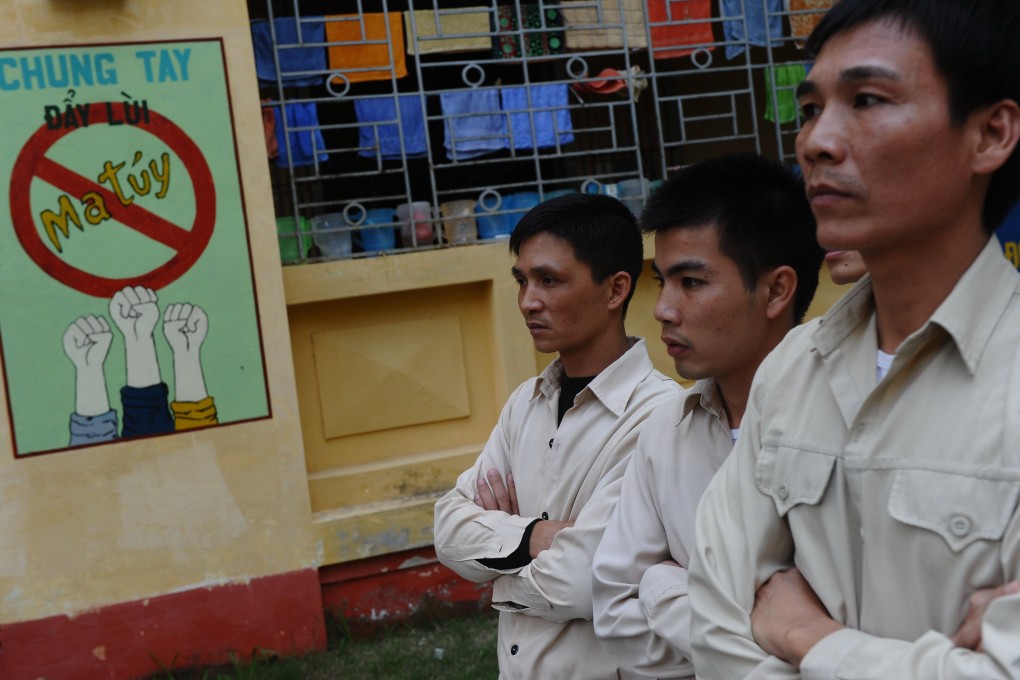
x: 426, y: 649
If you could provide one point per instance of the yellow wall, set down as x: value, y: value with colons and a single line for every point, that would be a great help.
x: 86, y: 528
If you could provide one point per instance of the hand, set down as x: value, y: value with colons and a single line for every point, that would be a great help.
x: 788, y: 619
x: 185, y: 327
x: 87, y: 342
x: 501, y: 496
x: 969, y: 634
x: 134, y: 311
x: 543, y: 533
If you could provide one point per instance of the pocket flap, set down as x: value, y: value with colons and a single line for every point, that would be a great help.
x: 793, y: 476
x: 959, y: 508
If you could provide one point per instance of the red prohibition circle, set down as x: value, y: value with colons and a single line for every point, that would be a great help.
x: 188, y: 244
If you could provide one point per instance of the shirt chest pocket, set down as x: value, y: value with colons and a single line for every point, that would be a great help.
x: 960, y: 509
x: 792, y: 476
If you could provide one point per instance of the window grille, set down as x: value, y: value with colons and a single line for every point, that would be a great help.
x: 475, y: 110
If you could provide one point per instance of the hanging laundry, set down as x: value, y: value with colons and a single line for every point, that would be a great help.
x: 762, y: 23
x: 306, y: 144
x: 368, y: 49
x: 610, y: 81
x: 378, y: 116
x: 482, y: 131
x: 541, y: 31
x: 801, y: 25
x: 298, y: 65
x: 675, y: 35
x: 589, y: 29
x: 548, y: 105
x: 783, y: 81
x: 459, y: 30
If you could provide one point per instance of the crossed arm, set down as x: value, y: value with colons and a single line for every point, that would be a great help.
x: 497, y: 495
x: 788, y: 619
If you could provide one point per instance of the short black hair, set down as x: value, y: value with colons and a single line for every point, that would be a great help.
x: 602, y: 231
x: 975, y: 45
x: 758, y: 208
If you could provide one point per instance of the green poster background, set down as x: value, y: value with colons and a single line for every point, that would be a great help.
x: 185, y: 82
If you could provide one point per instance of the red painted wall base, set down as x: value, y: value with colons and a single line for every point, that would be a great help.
x: 396, y: 587
x: 200, y: 627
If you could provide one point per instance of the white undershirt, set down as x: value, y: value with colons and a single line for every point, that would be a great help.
x: 734, y: 433
x: 882, y: 364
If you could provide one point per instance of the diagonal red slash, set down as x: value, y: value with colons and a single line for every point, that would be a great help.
x: 133, y: 216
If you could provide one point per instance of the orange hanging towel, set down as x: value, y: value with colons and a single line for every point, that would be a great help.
x: 801, y: 25
x: 679, y: 27
x: 368, y: 49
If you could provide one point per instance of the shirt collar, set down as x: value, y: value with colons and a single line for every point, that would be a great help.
x: 613, y: 386
x: 977, y: 303
x: 704, y: 394
x: 968, y: 315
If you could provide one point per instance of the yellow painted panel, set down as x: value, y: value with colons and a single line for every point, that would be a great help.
x: 376, y: 529
x: 390, y: 375
x: 474, y: 307
x: 410, y: 476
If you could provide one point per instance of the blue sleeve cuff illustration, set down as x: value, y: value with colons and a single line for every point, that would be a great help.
x: 93, y: 429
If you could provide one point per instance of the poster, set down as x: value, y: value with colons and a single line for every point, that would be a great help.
x: 127, y: 300
x: 1009, y: 235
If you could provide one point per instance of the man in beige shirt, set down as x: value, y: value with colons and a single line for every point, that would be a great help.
x: 734, y: 276
x: 871, y: 504
x: 529, y: 514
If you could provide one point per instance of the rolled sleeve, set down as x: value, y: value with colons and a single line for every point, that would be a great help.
x: 663, y: 595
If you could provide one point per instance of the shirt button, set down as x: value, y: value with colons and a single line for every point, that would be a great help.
x: 959, y: 525
x: 513, y: 650
x: 859, y: 431
x: 783, y: 491
x: 550, y: 443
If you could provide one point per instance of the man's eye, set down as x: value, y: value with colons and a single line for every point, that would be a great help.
x: 659, y: 281
x: 689, y: 282
x: 864, y: 100
x: 809, y: 111
x: 548, y: 280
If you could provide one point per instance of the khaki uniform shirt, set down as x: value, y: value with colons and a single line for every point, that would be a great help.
x: 570, y: 472
x: 642, y: 614
x: 896, y: 500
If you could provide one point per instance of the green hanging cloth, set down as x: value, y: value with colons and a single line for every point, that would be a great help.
x: 783, y: 80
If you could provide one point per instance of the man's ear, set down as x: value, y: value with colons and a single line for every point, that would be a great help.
x: 782, y: 286
x: 619, y: 288
x: 999, y: 129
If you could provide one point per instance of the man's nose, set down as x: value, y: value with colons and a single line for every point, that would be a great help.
x: 665, y: 311
x: 822, y: 139
x: 529, y: 300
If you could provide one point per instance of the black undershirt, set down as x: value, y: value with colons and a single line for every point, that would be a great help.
x: 569, y: 389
